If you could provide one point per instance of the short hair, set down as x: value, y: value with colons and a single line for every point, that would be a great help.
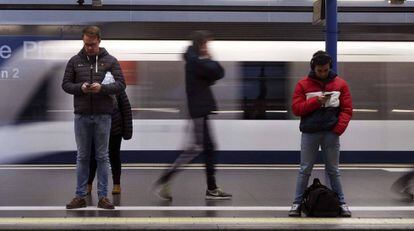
x: 92, y: 31
x: 320, y: 58
x: 200, y: 37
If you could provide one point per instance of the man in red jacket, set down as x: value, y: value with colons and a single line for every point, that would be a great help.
x: 323, y: 101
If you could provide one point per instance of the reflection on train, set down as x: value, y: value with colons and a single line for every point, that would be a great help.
x: 254, y: 98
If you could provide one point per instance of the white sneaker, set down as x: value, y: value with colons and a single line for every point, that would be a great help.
x: 163, y: 191
x: 217, y: 194
x: 295, y: 211
x: 345, y: 212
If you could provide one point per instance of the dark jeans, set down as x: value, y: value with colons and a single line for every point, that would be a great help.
x: 114, y: 159
x: 202, y: 144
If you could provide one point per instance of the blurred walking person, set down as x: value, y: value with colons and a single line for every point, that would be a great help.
x: 201, y: 72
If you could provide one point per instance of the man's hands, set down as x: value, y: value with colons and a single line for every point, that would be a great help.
x: 91, y: 88
x: 323, y: 99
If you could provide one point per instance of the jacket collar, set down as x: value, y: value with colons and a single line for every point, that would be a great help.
x: 331, y: 76
x: 102, y: 52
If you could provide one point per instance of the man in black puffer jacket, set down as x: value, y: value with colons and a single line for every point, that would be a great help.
x: 93, y: 103
x: 201, y: 72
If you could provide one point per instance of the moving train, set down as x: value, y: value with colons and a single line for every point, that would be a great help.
x: 254, y: 123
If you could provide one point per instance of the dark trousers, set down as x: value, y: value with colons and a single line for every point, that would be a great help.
x: 202, y: 144
x: 114, y: 159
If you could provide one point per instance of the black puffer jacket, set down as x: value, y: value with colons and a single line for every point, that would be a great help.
x: 122, y: 117
x: 200, y: 74
x: 82, y: 68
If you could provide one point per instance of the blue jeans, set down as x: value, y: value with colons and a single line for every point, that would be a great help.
x: 329, y: 143
x: 88, y: 128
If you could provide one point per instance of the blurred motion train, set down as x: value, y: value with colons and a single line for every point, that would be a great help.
x: 254, y: 123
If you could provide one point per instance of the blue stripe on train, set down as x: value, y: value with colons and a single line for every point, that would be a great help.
x: 237, y: 157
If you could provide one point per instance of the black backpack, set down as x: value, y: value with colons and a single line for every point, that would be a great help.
x: 320, y: 201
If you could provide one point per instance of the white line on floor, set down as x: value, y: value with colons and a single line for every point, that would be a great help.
x: 197, y: 208
x: 96, y: 223
x: 236, y: 167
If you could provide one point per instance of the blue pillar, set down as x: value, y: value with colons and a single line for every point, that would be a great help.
x: 332, y: 31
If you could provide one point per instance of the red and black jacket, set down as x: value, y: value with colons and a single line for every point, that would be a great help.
x: 334, y: 115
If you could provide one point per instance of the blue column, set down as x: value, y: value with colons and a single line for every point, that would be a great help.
x: 332, y: 31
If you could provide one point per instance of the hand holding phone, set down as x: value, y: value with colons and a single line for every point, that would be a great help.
x: 95, y: 87
x: 324, y: 97
x: 85, y: 87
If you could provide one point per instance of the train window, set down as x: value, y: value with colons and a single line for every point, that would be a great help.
x: 264, y: 92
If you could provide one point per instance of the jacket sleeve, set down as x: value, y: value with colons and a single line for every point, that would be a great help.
x: 126, y: 113
x: 345, y: 110
x: 208, y: 68
x: 212, y: 70
x: 119, y: 85
x: 302, y: 106
x: 68, y: 83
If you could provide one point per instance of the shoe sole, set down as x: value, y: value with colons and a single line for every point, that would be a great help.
x: 163, y: 198
x: 157, y: 194
x: 105, y: 208
x: 76, y: 207
x: 218, y: 198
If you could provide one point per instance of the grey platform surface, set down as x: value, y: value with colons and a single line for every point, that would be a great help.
x: 34, y: 198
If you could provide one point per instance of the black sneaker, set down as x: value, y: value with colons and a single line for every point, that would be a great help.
x: 217, y: 194
x: 403, y: 191
x: 407, y: 196
x: 76, y: 203
x: 345, y: 212
x: 295, y: 210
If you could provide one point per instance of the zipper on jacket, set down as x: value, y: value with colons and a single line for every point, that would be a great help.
x: 323, y: 91
x: 90, y: 82
x: 90, y: 94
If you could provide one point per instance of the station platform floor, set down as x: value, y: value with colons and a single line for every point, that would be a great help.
x: 33, y: 197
